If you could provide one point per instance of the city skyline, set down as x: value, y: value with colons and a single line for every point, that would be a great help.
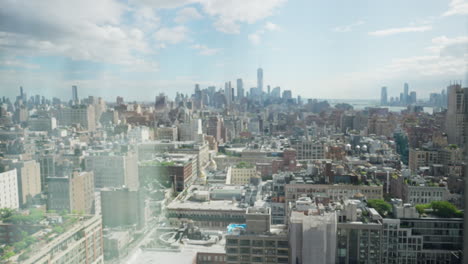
x: 233, y: 131
x: 138, y: 47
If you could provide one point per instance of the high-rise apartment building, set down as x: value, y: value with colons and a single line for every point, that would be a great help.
x: 214, y: 127
x: 9, y: 189
x: 47, y: 168
x: 312, y: 234
x: 29, y: 179
x: 457, y: 114
x: 73, y: 193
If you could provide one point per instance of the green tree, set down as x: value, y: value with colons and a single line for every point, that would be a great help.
x: 442, y: 209
x: 382, y: 207
x: 421, y: 208
x: 7, y: 255
x: 58, y: 229
x: 445, y: 209
x: 19, y: 246
x: 6, y: 213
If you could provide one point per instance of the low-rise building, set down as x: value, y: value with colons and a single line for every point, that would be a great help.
x: 259, y: 242
x: 81, y: 244
x: 208, y: 214
x: 122, y: 207
x: 115, y: 244
x: 241, y: 174
x: 336, y: 192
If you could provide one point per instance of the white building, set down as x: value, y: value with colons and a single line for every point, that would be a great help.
x: 139, y: 134
x: 9, y: 197
x: 421, y: 194
x: 312, y: 238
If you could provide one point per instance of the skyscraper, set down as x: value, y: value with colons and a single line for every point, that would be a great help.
x: 160, y: 102
x: 260, y: 80
x: 406, y: 94
x: 240, y: 89
x: 75, y: 94
x: 22, y: 96
x: 412, y: 97
x: 227, y: 94
x: 383, y: 96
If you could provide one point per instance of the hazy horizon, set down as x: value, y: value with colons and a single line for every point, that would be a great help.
x: 141, y: 48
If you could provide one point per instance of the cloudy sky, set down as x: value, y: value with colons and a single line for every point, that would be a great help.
x: 319, y: 49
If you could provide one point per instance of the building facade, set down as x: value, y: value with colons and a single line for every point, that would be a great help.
x: 82, y: 244
x: 113, y: 169
x: 9, y: 197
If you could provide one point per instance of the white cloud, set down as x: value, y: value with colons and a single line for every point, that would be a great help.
x: 443, y: 60
x: 393, y: 31
x: 204, y: 50
x: 429, y: 65
x: 72, y: 30
x: 271, y: 27
x: 348, y: 28
x: 254, y: 38
x: 457, y: 7
x: 145, y: 17
x: 162, y: 3
x: 172, y: 35
x: 449, y: 46
x: 18, y: 64
x: 187, y: 14
x: 227, y: 26
x: 230, y: 12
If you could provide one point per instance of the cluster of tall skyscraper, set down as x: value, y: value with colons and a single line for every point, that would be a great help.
x: 405, y: 98
x: 228, y: 96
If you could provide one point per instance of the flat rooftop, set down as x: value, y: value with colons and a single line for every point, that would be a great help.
x: 185, y: 255
x: 204, y: 206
